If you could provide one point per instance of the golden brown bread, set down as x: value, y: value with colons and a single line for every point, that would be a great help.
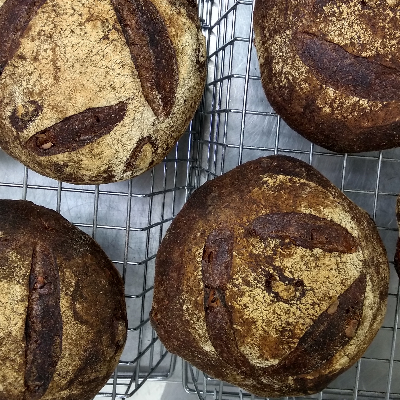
x: 331, y: 69
x: 271, y: 279
x: 95, y: 91
x: 63, y: 317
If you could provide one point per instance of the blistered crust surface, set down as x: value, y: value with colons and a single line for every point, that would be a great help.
x: 330, y: 69
x: 270, y: 291
x: 74, y: 56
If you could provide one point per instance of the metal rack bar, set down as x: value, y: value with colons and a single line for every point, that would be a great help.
x: 233, y: 124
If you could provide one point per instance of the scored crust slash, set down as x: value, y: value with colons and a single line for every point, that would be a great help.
x: 43, y: 330
x: 333, y: 78
x: 294, y: 279
x: 83, y: 83
x: 60, y: 337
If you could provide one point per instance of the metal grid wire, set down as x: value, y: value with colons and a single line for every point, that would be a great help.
x: 235, y: 124
x: 128, y: 219
x: 238, y: 125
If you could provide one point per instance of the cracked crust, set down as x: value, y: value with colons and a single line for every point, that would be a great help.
x: 253, y: 297
x: 79, y: 55
x: 61, y: 336
x: 331, y: 69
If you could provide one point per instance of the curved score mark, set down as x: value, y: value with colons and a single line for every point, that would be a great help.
x: 44, y: 326
x: 304, y: 230
x: 77, y: 130
x: 24, y: 114
x: 216, y: 263
x: 15, y: 16
x: 216, y: 272
x: 332, y: 330
x: 141, y: 156
x: 152, y: 52
x: 343, y: 71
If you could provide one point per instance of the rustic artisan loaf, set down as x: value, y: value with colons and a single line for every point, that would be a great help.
x: 63, y: 315
x: 331, y: 69
x: 271, y: 279
x: 95, y: 91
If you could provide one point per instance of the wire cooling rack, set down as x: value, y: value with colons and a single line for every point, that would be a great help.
x: 237, y: 124
x: 234, y: 124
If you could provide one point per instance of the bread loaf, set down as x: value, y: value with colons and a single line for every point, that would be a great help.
x: 331, y: 69
x: 95, y: 91
x: 271, y: 279
x: 63, y: 316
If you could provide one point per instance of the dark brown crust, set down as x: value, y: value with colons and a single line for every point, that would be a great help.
x: 342, y: 136
x: 217, y: 259
x: 190, y: 7
x: 152, y: 52
x: 130, y: 163
x: 94, y: 332
x: 328, y: 334
x: 305, y: 230
x: 21, y: 120
x: 216, y: 272
x: 278, y: 275
x: 220, y: 330
x: 364, y: 5
x: 77, y: 131
x: 340, y: 124
x: 214, y: 206
x: 44, y: 326
x: 345, y: 72
x: 15, y: 16
x: 397, y: 258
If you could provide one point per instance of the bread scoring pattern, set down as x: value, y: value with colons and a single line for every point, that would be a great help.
x: 59, y: 338
x: 15, y: 16
x: 142, y: 61
x: 216, y: 266
x: 152, y: 52
x: 77, y: 131
x: 305, y: 230
x: 274, y: 279
x: 331, y: 331
x: 343, y: 71
x: 44, y: 327
x: 331, y: 69
x: 146, y: 35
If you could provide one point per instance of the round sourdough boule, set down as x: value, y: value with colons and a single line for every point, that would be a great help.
x: 63, y: 317
x: 271, y: 279
x: 331, y: 69
x: 97, y: 91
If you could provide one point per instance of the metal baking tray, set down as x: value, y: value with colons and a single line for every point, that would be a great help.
x: 234, y: 124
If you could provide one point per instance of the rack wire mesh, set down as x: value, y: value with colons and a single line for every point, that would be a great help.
x: 238, y: 125
x: 234, y: 124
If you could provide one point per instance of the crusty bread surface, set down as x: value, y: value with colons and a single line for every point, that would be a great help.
x: 331, y: 69
x: 271, y: 279
x: 63, y: 322
x: 96, y: 91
